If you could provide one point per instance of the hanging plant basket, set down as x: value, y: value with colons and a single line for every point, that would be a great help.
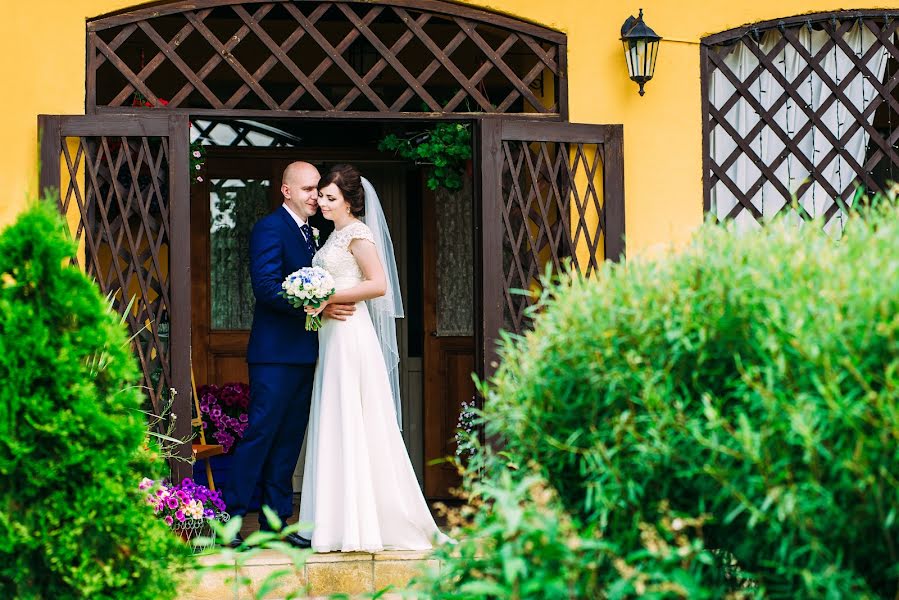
x: 445, y: 150
x: 195, y: 529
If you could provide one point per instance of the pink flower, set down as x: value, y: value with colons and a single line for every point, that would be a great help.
x: 169, y: 520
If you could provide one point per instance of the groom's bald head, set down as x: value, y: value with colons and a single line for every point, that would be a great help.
x: 298, y: 170
x: 299, y: 185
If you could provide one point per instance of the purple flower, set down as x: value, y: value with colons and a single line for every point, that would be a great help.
x: 180, y: 515
x: 224, y: 412
x: 168, y: 520
x: 172, y: 502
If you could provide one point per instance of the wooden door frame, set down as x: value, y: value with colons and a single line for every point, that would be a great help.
x: 439, y: 387
x: 488, y: 134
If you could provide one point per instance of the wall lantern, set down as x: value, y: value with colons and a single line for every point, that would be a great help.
x: 641, y: 48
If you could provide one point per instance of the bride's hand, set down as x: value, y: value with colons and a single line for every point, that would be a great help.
x: 311, y: 310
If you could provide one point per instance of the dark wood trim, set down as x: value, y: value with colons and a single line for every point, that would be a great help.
x: 489, y: 240
x: 199, y: 295
x: 613, y: 195
x: 90, y: 80
x: 573, y: 132
x: 50, y: 142
x: 732, y: 35
x: 321, y: 114
x: 562, y: 92
x: 314, y: 155
x: 704, y: 74
x: 153, y: 124
x: 160, y: 9
x: 179, y: 276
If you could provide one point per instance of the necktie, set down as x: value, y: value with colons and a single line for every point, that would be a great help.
x: 307, y: 237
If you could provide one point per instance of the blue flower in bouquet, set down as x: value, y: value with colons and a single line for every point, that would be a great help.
x: 309, y: 286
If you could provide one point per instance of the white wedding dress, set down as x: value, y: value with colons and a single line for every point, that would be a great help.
x: 359, y: 489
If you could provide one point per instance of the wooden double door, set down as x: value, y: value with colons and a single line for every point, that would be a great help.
x: 542, y: 193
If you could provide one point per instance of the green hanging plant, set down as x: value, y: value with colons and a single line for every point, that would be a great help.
x: 197, y: 160
x: 445, y: 149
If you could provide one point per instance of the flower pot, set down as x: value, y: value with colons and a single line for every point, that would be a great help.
x: 221, y: 473
x: 192, y: 529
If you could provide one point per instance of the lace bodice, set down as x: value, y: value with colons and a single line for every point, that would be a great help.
x: 336, y: 258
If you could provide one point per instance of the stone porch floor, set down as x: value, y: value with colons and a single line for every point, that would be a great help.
x: 349, y: 573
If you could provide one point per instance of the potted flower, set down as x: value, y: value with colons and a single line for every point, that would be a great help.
x: 224, y: 412
x: 186, y: 508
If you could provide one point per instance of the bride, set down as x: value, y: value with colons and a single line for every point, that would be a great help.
x: 359, y: 489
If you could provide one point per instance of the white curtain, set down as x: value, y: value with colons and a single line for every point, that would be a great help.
x: 791, y: 118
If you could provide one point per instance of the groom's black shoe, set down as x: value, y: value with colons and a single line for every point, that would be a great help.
x: 236, y: 542
x: 295, y: 540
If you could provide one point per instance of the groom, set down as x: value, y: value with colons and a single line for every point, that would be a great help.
x: 281, y: 355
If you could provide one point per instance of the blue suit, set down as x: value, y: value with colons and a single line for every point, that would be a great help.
x: 281, y: 356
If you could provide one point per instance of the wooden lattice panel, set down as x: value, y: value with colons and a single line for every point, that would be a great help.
x: 552, y: 193
x: 395, y: 57
x: 124, y: 227
x: 115, y: 178
x: 812, y: 90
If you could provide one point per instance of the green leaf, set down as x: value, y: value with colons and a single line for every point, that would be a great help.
x: 274, y: 521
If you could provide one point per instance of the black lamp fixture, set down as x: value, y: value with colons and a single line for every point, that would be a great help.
x: 641, y: 48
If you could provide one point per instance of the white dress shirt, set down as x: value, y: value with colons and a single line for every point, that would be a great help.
x: 299, y: 220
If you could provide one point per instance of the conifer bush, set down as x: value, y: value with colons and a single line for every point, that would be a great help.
x: 750, y: 380
x: 72, y: 440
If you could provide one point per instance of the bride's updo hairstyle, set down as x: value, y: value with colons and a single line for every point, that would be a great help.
x: 348, y: 179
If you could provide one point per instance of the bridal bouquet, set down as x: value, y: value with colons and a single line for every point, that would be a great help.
x: 310, y: 286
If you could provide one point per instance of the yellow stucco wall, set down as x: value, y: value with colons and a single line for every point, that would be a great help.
x: 43, y: 49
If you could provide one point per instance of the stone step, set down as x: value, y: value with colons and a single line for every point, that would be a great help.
x: 331, y: 573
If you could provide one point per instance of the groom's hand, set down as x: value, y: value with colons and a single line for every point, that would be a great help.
x: 339, y: 311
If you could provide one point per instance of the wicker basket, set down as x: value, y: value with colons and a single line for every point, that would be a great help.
x: 193, y: 529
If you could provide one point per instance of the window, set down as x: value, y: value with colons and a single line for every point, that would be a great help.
x: 799, y: 109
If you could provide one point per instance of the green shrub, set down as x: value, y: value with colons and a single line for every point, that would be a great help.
x: 752, y: 378
x: 515, y: 541
x: 72, y: 522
